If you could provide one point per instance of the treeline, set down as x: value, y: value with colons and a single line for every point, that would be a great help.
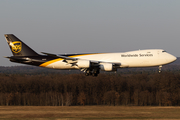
x: 140, y: 89
x: 33, y: 70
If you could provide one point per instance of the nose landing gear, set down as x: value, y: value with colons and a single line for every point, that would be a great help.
x: 160, y: 68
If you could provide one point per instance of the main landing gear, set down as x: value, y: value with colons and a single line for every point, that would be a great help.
x: 93, y: 72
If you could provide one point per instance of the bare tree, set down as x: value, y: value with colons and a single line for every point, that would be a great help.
x: 82, y: 98
x: 68, y: 99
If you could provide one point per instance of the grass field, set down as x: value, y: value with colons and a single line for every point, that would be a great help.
x: 87, y: 112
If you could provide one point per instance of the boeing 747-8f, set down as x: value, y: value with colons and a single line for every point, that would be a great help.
x: 90, y: 63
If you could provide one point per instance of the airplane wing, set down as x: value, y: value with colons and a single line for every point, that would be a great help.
x: 70, y: 60
x: 60, y: 56
x: 74, y: 59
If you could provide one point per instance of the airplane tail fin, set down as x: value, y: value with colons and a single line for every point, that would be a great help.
x: 19, y: 48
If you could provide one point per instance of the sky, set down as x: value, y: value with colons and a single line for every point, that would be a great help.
x: 90, y: 26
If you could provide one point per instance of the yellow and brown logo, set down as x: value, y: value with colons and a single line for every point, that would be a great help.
x: 16, y: 46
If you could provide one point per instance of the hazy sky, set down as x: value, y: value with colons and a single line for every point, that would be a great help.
x: 85, y: 26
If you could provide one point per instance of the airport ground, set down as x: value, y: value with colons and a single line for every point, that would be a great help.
x: 88, y: 112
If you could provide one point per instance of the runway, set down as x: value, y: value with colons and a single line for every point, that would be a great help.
x: 87, y: 112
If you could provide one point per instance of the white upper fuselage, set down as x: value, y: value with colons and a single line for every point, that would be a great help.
x: 139, y: 58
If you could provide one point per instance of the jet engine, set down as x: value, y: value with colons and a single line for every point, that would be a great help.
x: 106, y: 67
x: 83, y: 63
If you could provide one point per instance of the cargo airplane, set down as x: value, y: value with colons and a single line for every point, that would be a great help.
x: 90, y: 63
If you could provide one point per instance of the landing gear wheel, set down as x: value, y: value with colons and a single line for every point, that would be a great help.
x: 87, y: 74
x: 94, y: 74
x: 160, y: 68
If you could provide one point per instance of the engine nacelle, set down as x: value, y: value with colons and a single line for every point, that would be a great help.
x: 83, y: 63
x: 106, y: 66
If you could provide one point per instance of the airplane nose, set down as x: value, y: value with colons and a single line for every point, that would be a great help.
x: 175, y: 58
x: 172, y: 58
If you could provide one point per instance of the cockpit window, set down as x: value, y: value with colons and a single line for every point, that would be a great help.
x: 164, y: 51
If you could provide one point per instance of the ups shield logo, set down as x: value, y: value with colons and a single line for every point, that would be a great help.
x: 16, y: 46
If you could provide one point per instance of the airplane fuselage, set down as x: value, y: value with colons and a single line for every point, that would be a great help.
x: 140, y: 58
